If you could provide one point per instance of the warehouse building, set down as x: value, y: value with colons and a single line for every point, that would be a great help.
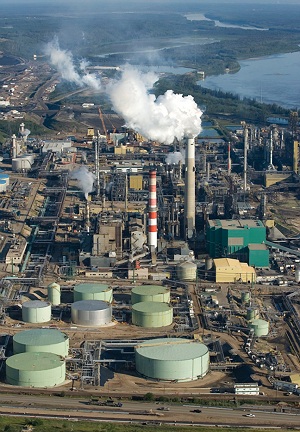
x: 240, y: 239
x: 230, y: 270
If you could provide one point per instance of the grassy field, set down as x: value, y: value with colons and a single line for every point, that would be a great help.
x: 9, y: 424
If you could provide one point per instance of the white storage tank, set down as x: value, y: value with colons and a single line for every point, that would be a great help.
x: 53, y: 291
x: 91, y: 313
x: 2, y: 185
x: 297, y: 273
x: 36, y: 311
x: 187, y: 271
x: 21, y: 164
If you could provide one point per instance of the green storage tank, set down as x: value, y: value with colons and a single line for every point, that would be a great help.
x: 93, y: 291
x: 172, y: 359
x: 34, y: 369
x: 245, y: 296
x: 41, y: 340
x: 152, y: 314
x: 252, y: 313
x: 260, y: 327
x: 150, y: 293
x: 53, y: 291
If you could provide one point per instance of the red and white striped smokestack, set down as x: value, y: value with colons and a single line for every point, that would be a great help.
x: 152, y: 221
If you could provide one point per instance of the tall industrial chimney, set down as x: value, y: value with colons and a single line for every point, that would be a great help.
x: 190, y: 195
x: 229, y: 159
x: 245, y: 156
x: 14, y: 146
x: 152, y: 220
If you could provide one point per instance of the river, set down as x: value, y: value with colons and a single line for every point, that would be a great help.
x: 273, y: 79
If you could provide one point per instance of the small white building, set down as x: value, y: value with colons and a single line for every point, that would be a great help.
x: 246, y: 389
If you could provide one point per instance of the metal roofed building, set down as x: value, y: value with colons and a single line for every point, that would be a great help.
x: 172, y: 359
x: 56, y: 146
x: 232, y: 270
x: 231, y: 238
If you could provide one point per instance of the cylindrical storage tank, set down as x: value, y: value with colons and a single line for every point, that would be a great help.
x: 30, y: 157
x: 297, y: 273
x: 36, y: 311
x: 21, y: 164
x: 93, y: 291
x: 245, y: 297
x: 172, y: 359
x: 152, y: 314
x: 35, y: 369
x: 41, y: 340
x: 252, y: 313
x: 2, y: 185
x: 53, y: 291
x: 91, y: 313
x: 4, y: 177
x: 150, y: 293
x: 187, y: 271
x: 208, y: 263
x: 260, y: 327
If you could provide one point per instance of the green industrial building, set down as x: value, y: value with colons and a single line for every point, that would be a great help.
x: 243, y: 239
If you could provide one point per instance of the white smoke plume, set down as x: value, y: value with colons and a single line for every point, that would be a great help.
x: 174, y: 158
x: 63, y: 61
x: 85, y: 180
x: 161, y: 119
x: 25, y: 133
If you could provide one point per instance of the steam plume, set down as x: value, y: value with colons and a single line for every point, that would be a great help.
x: 162, y: 119
x: 85, y: 180
x: 63, y: 61
x: 174, y: 158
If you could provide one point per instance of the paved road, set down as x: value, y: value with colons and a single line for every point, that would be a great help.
x: 54, y: 406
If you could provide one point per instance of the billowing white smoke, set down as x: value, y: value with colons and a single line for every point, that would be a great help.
x: 25, y: 133
x: 162, y: 119
x: 85, y: 180
x: 174, y: 158
x: 62, y: 60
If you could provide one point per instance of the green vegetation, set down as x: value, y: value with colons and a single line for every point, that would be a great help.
x: 7, y: 128
x: 221, y: 104
x: 10, y: 424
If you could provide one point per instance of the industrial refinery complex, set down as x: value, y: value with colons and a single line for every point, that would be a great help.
x: 128, y: 263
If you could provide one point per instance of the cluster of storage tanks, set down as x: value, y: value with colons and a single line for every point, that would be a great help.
x: 92, y: 305
x: 38, y: 358
x: 150, y: 306
x: 39, y: 355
